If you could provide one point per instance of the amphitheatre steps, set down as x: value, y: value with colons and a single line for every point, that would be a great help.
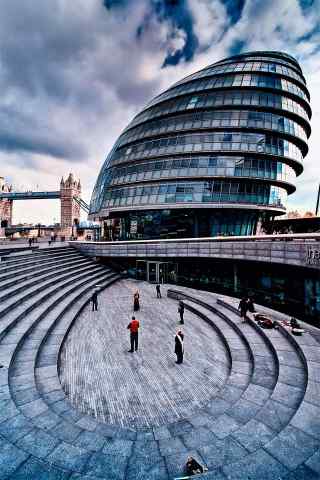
x: 263, y: 421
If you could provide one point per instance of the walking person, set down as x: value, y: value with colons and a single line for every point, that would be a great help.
x: 179, y: 346
x: 94, y: 300
x: 30, y: 241
x: 136, y: 301
x: 181, y: 312
x: 158, y: 291
x: 134, y: 334
x: 243, y: 307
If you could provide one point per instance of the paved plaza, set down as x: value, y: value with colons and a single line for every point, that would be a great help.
x: 147, y: 388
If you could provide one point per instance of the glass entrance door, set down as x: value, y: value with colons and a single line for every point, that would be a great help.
x: 153, y: 272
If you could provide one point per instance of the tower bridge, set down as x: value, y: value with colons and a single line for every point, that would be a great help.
x: 70, y: 202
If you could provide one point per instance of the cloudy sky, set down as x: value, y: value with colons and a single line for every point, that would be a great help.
x: 73, y: 73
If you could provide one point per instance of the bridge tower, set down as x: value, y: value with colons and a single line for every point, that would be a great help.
x: 5, y: 208
x: 70, y: 210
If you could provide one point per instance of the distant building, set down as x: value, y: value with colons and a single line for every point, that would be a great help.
x: 70, y: 209
x: 293, y: 225
x: 5, y: 207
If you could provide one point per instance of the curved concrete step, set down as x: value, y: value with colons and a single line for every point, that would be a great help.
x: 297, y: 445
x: 14, y: 317
x: 18, y: 259
x: 35, y: 440
x: 38, y: 273
x: 41, y: 428
x: 38, y: 261
x: 248, y: 388
x: 269, y: 426
x: 38, y: 267
x: 23, y: 284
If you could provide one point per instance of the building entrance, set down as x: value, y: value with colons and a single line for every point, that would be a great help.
x: 156, y: 272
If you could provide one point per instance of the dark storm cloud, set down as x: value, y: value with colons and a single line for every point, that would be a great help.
x: 109, y: 4
x: 234, y: 9
x: 236, y: 47
x: 178, y: 15
x: 306, y: 5
x: 20, y: 133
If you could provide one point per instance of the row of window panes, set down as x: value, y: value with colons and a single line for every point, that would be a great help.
x: 236, y: 80
x: 222, y: 166
x: 244, y: 66
x: 259, y: 58
x: 212, y: 191
x: 212, y: 142
x: 215, y: 119
x: 216, y: 99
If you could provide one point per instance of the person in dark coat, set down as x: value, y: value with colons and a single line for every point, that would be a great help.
x: 158, y: 291
x: 243, y: 307
x: 136, y: 301
x: 134, y: 334
x: 94, y: 300
x: 193, y: 467
x: 250, y: 305
x: 181, y: 312
x: 30, y: 242
x: 179, y: 346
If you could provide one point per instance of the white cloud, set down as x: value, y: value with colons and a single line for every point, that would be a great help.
x: 73, y: 74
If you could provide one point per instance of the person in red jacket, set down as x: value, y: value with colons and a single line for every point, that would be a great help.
x: 134, y: 334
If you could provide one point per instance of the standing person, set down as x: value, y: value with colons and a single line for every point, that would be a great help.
x: 94, y: 300
x: 30, y: 241
x: 243, y: 307
x: 250, y: 305
x: 181, y: 312
x: 134, y: 334
x: 158, y: 291
x: 179, y: 346
x: 136, y: 301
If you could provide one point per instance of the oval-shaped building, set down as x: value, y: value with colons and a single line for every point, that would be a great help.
x: 215, y: 154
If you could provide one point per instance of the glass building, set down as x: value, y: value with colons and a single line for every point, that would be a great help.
x: 215, y: 154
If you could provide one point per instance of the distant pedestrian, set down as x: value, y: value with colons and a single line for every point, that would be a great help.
x: 30, y: 241
x: 243, y: 307
x: 134, y: 334
x: 94, y: 300
x: 158, y: 291
x: 136, y: 301
x: 250, y: 305
x: 181, y: 312
x: 179, y: 346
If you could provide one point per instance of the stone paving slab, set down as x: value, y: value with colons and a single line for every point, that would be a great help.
x: 35, y: 469
x: 121, y: 380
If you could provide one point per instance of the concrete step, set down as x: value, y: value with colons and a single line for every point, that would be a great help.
x: 27, y: 253
x: 39, y: 266
x: 15, y: 298
x: 29, y: 442
x: 43, y: 272
x: 253, y: 374
x: 36, y: 258
x: 31, y: 302
x: 23, y: 284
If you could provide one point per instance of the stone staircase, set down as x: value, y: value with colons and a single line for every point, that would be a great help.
x: 270, y: 404
x: 41, y: 295
x: 264, y: 422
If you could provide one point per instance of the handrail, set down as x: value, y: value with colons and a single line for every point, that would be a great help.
x: 259, y: 238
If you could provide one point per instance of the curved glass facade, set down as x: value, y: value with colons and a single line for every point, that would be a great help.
x: 216, y: 153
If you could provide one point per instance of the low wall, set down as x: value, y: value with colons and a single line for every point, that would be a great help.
x: 298, y: 250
